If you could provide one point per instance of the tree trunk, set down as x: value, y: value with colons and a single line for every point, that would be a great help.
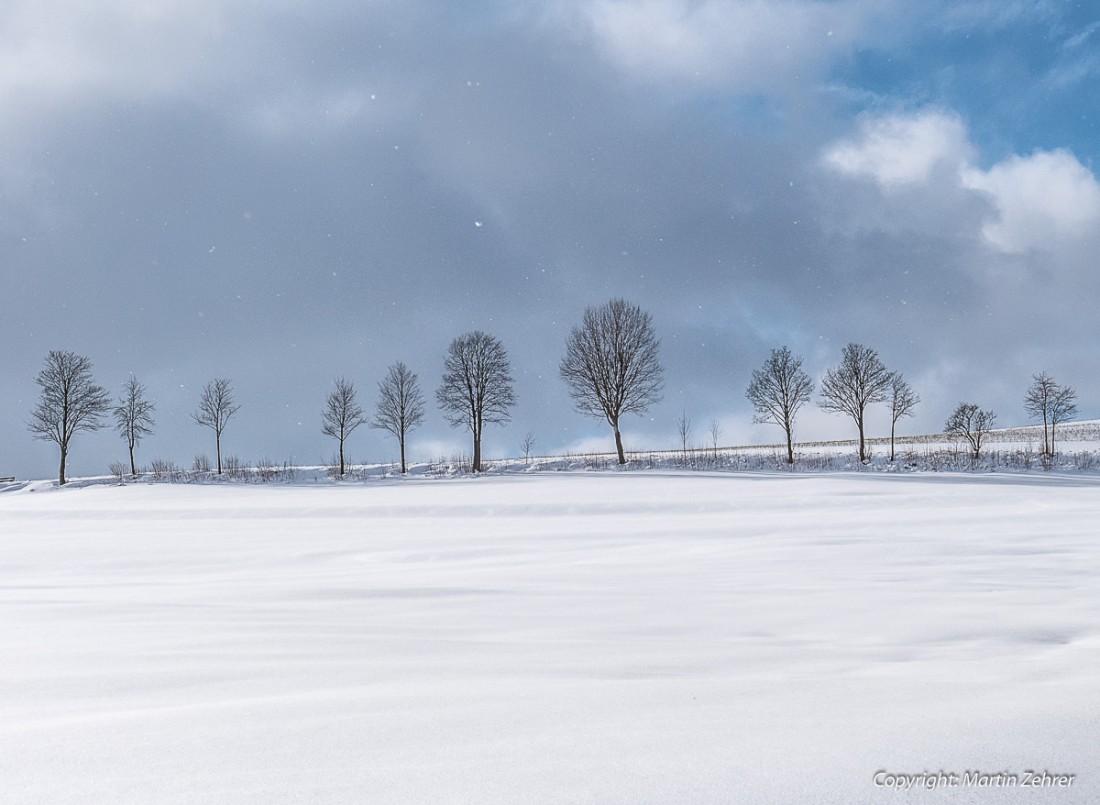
x: 892, y: 424
x: 1052, y: 440
x: 477, y: 429
x: 619, y: 445
x: 218, y: 447
x: 61, y: 471
x: 404, y: 468
x: 341, y: 458
x: 862, y: 452
x: 133, y: 467
x: 790, y: 447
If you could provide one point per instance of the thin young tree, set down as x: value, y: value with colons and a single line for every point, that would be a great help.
x: 972, y: 423
x: 715, y: 434
x: 216, y: 407
x: 778, y: 390
x: 476, y: 389
x: 611, y: 366
x: 134, y: 417
x: 400, y: 405
x: 341, y: 415
x: 860, y: 380
x: 683, y: 430
x: 527, y: 445
x: 70, y: 401
x: 902, y: 401
x: 1050, y: 403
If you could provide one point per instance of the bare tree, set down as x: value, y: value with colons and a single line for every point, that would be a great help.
x: 216, y: 407
x: 859, y: 380
x: 477, y: 386
x: 400, y: 405
x: 902, y: 400
x: 341, y: 414
x: 715, y: 433
x: 683, y: 429
x: 611, y: 366
x: 526, y: 445
x: 971, y: 423
x: 1064, y: 409
x: 70, y: 402
x: 134, y: 417
x: 778, y: 390
x: 1038, y: 401
x: 1050, y: 403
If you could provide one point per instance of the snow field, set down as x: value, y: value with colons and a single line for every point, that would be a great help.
x: 583, y: 637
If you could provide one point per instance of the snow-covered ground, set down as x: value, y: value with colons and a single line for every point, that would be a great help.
x: 557, y: 637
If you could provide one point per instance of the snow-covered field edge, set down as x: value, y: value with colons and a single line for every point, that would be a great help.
x: 1011, y: 450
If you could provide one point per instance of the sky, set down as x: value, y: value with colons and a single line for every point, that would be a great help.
x: 284, y: 193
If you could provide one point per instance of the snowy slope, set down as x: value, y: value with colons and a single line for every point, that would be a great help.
x: 611, y: 637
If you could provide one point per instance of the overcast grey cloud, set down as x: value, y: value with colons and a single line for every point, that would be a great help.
x: 283, y: 193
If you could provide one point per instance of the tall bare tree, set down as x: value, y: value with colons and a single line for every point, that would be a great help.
x: 1050, y: 403
x: 477, y: 386
x: 611, y: 365
x: 134, y: 417
x: 715, y: 434
x: 859, y: 380
x: 527, y: 445
x: 972, y: 423
x: 778, y: 390
x: 70, y: 402
x: 902, y: 400
x: 1038, y: 402
x: 400, y: 405
x: 216, y: 407
x: 341, y: 414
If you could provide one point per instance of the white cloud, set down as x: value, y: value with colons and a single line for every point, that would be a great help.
x: 901, y: 149
x: 1048, y: 195
x: 1036, y: 201
x: 744, y: 43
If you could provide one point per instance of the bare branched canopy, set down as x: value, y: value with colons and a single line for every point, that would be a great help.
x: 902, y: 400
x: 683, y: 430
x: 778, y: 390
x: 972, y: 423
x: 216, y: 407
x: 341, y: 414
x: 477, y: 386
x: 134, y: 417
x: 1050, y: 403
x: 715, y: 435
x: 400, y: 405
x: 611, y: 365
x: 70, y: 401
x: 860, y: 380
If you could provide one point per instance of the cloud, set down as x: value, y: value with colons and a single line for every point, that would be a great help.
x: 1032, y: 202
x: 747, y: 44
x: 899, y: 149
x: 55, y: 48
x: 1041, y: 198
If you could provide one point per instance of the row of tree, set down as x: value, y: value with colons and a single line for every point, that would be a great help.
x: 610, y: 367
x: 780, y: 388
